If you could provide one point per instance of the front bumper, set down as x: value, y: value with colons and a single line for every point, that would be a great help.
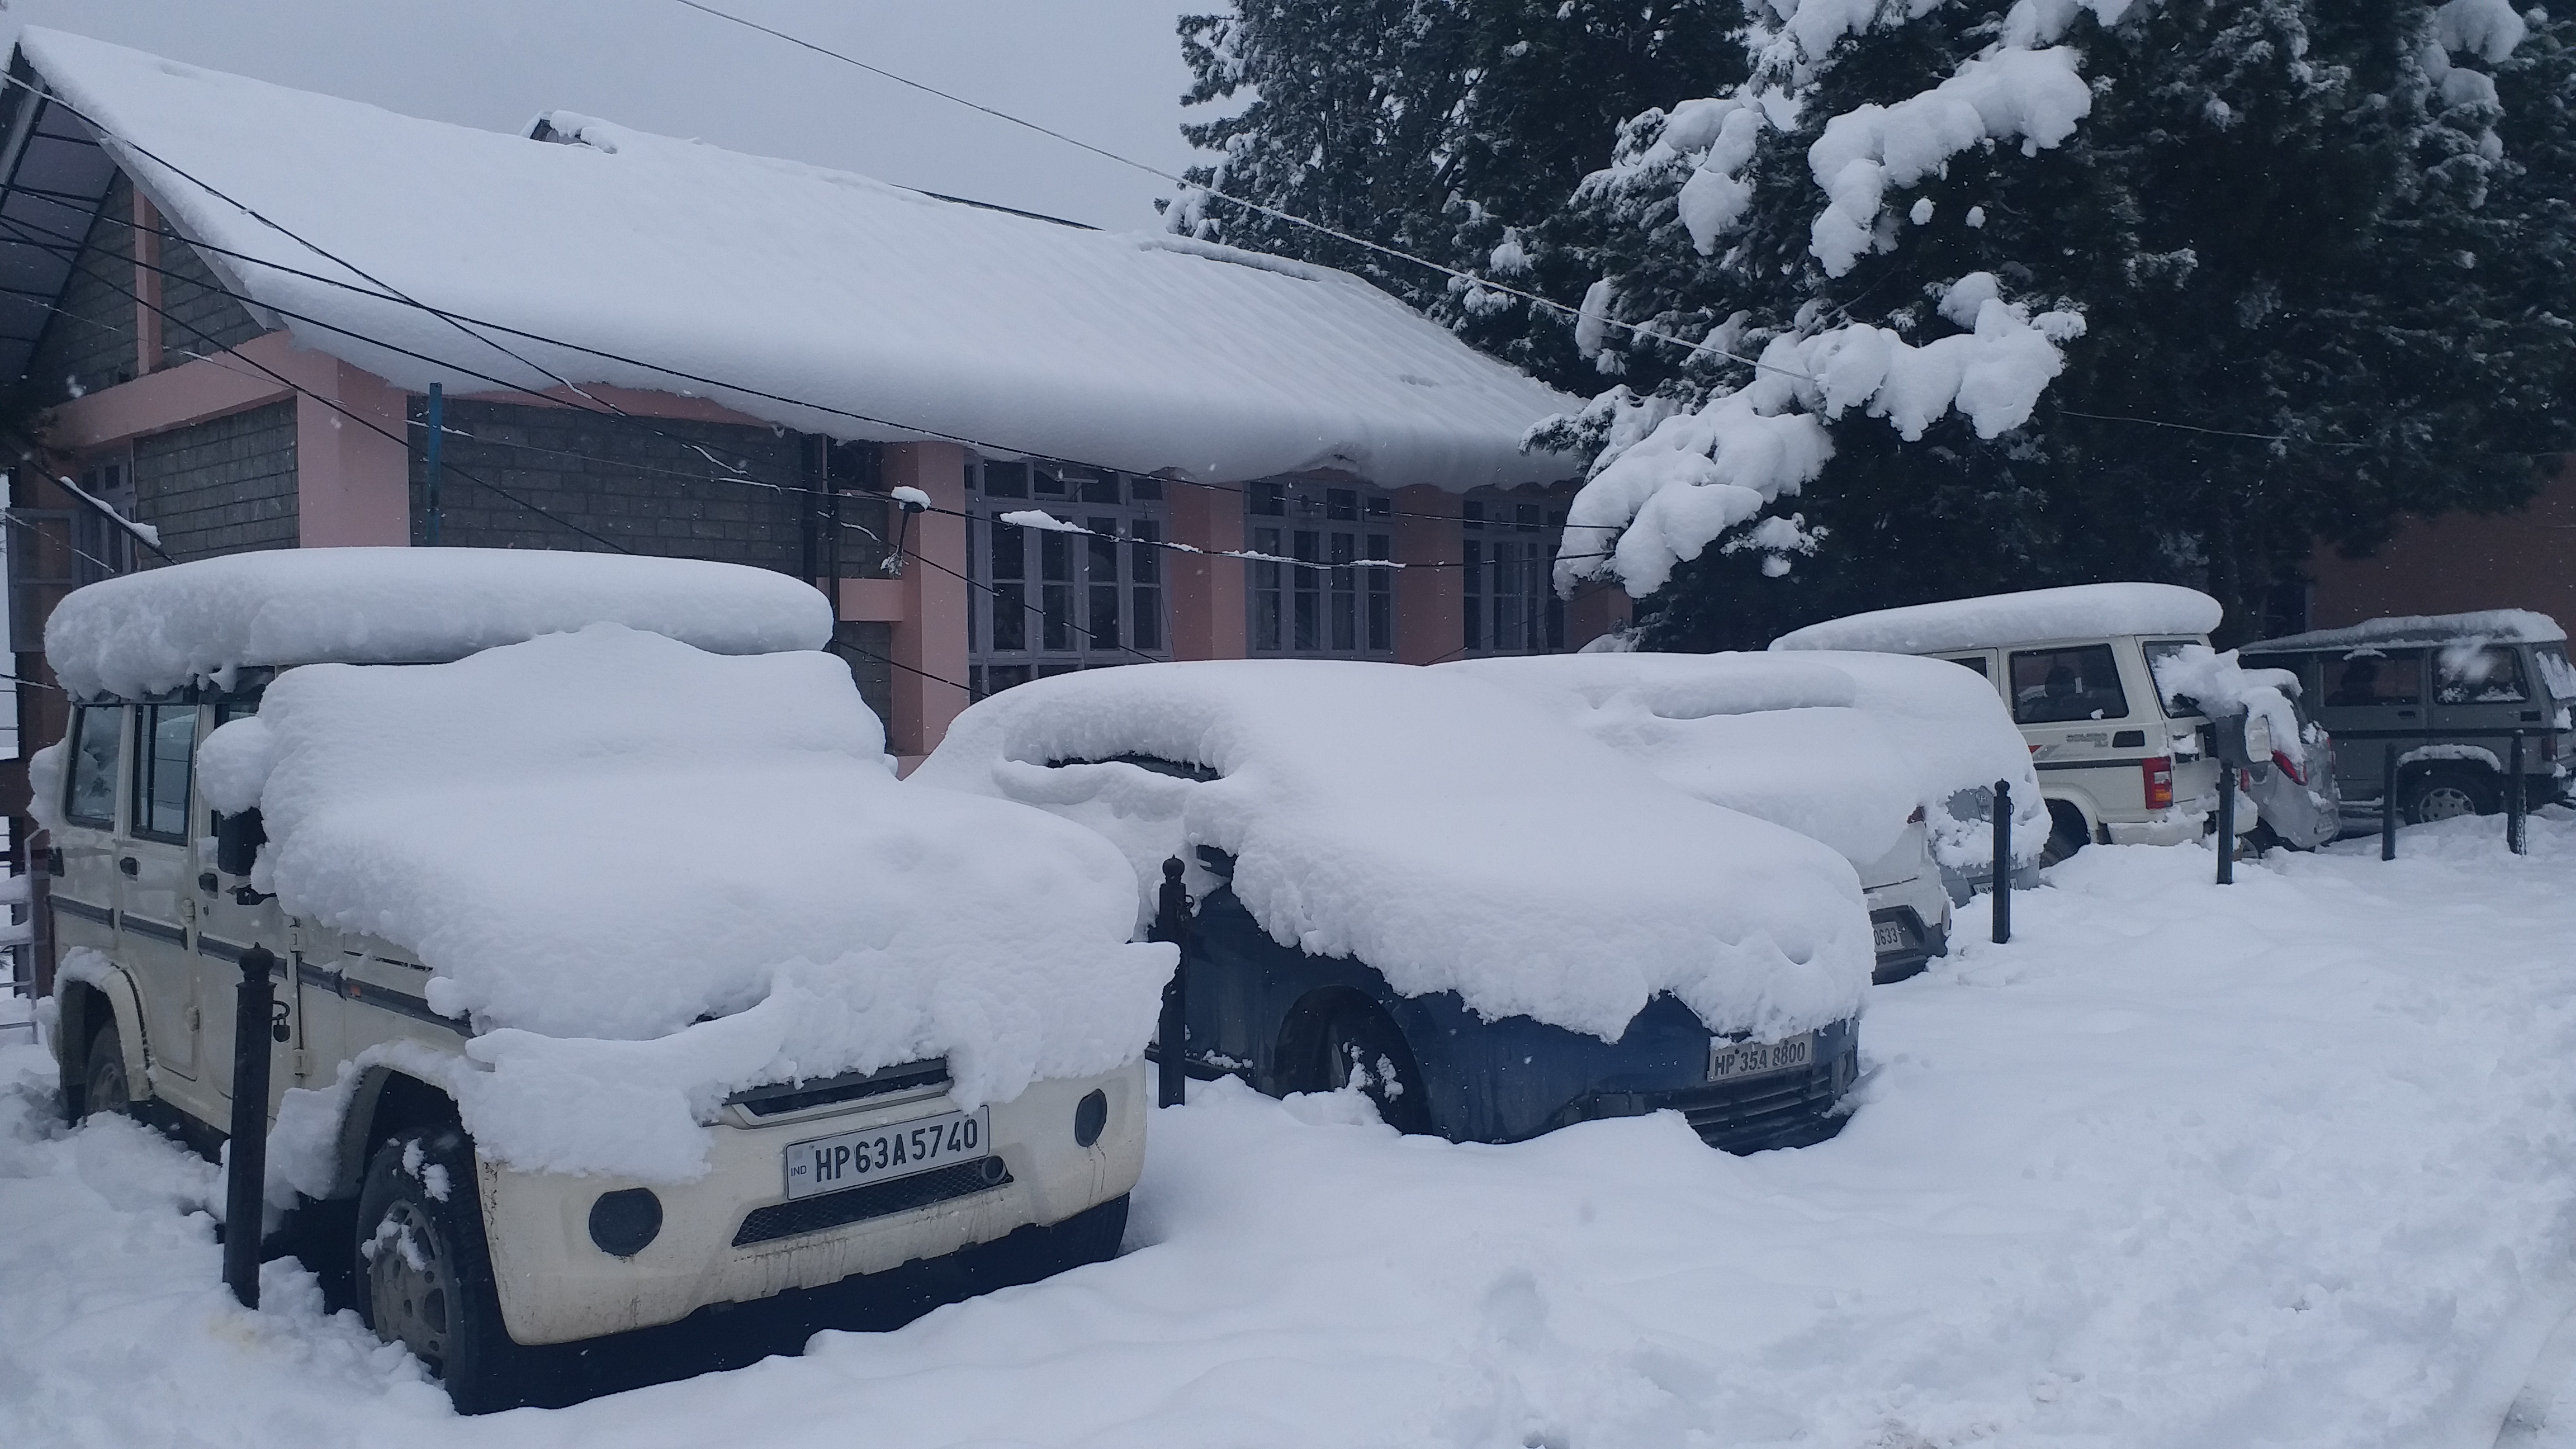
x: 1754, y: 1114
x: 556, y: 1285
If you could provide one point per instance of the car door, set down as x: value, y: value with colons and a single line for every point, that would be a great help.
x: 2371, y: 699
x: 85, y: 895
x: 224, y: 926
x: 2071, y: 701
x: 154, y: 915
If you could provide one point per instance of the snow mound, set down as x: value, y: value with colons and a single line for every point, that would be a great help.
x: 1840, y: 748
x: 141, y: 634
x: 2075, y: 612
x: 896, y: 315
x: 1450, y: 834
x: 511, y: 819
x: 2419, y: 631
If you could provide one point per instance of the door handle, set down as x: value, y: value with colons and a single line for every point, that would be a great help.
x: 127, y: 864
x: 206, y: 881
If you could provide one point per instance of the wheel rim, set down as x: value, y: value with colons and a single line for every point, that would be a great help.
x: 2444, y: 802
x: 1356, y: 1058
x: 107, y: 1089
x: 411, y: 1284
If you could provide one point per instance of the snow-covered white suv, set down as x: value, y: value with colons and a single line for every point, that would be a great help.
x: 2075, y: 665
x: 618, y: 976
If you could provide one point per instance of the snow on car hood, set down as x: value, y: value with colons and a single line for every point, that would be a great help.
x: 1450, y: 834
x: 1839, y: 747
x: 140, y: 634
x: 653, y: 875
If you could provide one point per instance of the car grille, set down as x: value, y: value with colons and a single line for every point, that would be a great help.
x: 780, y: 1100
x: 876, y: 1200
x: 1762, y: 1112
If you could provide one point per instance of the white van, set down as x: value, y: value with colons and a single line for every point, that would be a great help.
x: 2116, y: 762
x: 617, y: 976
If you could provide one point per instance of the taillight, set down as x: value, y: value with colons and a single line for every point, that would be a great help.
x: 2289, y: 767
x: 2157, y: 772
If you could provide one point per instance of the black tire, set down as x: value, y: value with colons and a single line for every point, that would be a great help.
x: 424, y: 1270
x: 104, y: 1088
x: 1361, y: 1047
x: 2067, y: 833
x: 2449, y: 794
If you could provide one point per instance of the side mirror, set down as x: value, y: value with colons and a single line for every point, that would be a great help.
x: 237, y: 841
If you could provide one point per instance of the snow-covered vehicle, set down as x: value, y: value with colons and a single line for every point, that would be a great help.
x: 2490, y: 675
x: 620, y: 977
x: 1436, y: 890
x: 1890, y: 760
x: 2116, y: 761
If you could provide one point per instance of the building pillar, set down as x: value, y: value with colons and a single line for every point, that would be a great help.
x: 930, y: 638
x: 1430, y: 603
x: 147, y: 285
x: 1207, y: 593
x: 352, y: 482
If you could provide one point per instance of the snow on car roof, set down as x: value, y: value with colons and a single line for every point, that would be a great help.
x: 651, y: 876
x: 1839, y: 747
x: 2400, y: 631
x: 2078, y: 611
x: 1450, y: 834
x: 141, y: 634
x: 900, y: 316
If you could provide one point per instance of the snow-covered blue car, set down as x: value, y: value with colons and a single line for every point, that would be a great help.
x: 1414, y: 883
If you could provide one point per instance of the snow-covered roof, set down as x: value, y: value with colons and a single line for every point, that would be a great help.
x: 1146, y: 353
x: 1838, y: 747
x: 1451, y: 834
x: 2418, y: 631
x: 141, y: 634
x: 2079, y: 611
x: 517, y: 820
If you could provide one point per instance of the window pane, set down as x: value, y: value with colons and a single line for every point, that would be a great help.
x: 93, y: 785
x: 1381, y: 617
x: 2371, y: 679
x: 2480, y: 676
x: 1055, y: 557
x: 1265, y: 618
x: 1144, y: 560
x: 1104, y: 616
x: 1147, y: 628
x: 1010, y: 551
x: 1265, y: 499
x: 1010, y: 617
x: 1006, y: 480
x: 2052, y: 686
x: 1145, y: 490
x: 1100, y: 488
x: 1102, y: 547
x: 1342, y: 504
x: 1056, y: 620
x: 1345, y: 619
x: 1976, y: 662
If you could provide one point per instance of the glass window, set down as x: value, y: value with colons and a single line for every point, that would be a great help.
x: 2480, y: 674
x: 2556, y: 673
x: 96, y: 736
x: 1976, y: 662
x: 2371, y: 678
x: 161, y: 767
x: 2051, y: 686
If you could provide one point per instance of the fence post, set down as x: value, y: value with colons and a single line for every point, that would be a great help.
x: 1171, y: 923
x: 2226, y: 823
x: 2514, y: 805
x: 2388, y: 805
x: 2003, y: 861
x: 248, y: 1166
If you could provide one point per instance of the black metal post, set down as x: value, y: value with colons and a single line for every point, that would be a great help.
x: 2226, y: 824
x: 1171, y: 923
x: 2388, y: 806
x: 2003, y: 861
x: 2514, y: 802
x: 248, y: 1167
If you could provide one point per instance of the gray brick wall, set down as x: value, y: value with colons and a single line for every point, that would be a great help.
x: 869, y: 649
x: 193, y: 302
x: 222, y: 486
x: 89, y: 343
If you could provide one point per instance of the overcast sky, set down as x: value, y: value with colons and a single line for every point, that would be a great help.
x: 1107, y: 71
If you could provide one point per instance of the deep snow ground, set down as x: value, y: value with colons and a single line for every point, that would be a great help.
x: 2288, y: 1163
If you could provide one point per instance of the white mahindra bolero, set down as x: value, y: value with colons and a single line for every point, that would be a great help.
x: 617, y: 976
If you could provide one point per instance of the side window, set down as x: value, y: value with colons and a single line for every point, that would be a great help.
x: 2371, y: 678
x: 226, y: 711
x: 1976, y: 662
x: 2079, y: 682
x: 168, y: 745
x: 2475, y: 674
x: 96, y: 735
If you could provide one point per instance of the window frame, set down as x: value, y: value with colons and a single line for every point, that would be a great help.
x: 1332, y: 610
x: 143, y: 772
x: 2110, y: 655
x: 1033, y: 606
x: 115, y: 768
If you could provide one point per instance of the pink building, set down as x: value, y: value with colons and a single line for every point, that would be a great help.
x: 237, y: 298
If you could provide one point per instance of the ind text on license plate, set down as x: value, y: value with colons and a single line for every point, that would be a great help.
x: 1731, y: 1059
x: 874, y: 1154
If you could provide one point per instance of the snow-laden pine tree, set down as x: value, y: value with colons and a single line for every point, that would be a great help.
x: 1955, y: 297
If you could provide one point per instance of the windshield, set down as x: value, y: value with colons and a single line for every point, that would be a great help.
x: 2556, y: 673
x: 2161, y: 654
